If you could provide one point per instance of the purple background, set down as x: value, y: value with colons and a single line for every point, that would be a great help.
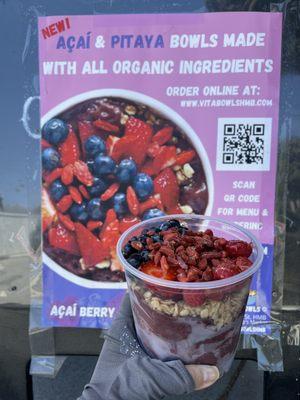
x: 203, y: 120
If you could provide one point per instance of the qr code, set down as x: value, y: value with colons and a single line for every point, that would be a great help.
x: 244, y: 144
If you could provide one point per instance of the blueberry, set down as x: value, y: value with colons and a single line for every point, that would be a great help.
x: 104, y: 165
x: 95, y: 209
x: 128, y: 250
x: 135, y: 260
x: 145, y: 231
x: 90, y: 164
x: 120, y: 204
x: 165, y: 226
x: 99, y: 186
x: 156, y: 238
x: 57, y: 190
x: 50, y: 159
x: 55, y: 131
x: 174, y: 223
x: 143, y: 239
x: 145, y: 255
x: 152, y: 213
x: 79, y: 213
x: 143, y: 186
x: 126, y: 171
x: 94, y: 145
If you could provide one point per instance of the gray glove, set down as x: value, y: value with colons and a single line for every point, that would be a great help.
x: 125, y: 372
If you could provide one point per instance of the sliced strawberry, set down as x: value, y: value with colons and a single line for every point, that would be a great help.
x: 136, y: 127
x: 91, y: 248
x: 163, y: 135
x: 111, y: 234
x: 60, y: 238
x: 64, y: 203
x: 106, y: 126
x: 127, y: 222
x: 69, y: 150
x: 82, y: 173
x: 52, y: 176
x: 49, y: 214
x: 194, y: 298
x: 185, y: 157
x: 166, y: 185
x: 134, y: 143
x: 148, y: 168
x: 153, y: 150
x: 165, y: 158
x: 86, y: 129
x: 150, y: 268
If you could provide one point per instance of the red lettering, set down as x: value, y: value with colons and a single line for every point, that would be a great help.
x: 46, y: 33
x: 52, y: 29
x: 60, y: 25
x: 55, y: 28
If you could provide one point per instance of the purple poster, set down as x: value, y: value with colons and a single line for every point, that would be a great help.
x: 193, y: 100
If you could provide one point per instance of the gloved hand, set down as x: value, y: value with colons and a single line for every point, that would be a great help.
x: 125, y: 372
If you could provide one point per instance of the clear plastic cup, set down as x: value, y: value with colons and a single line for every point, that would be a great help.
x: 169, y: 328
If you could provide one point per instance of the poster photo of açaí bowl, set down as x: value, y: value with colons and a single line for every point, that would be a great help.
x: 110, y: 159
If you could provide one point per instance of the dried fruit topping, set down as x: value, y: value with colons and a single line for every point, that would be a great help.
x: 64, y: 203
x: 67, y: 174
x: 82, y: 173
x: 177, y: 253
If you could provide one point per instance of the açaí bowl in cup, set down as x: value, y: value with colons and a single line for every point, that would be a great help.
x: 169, y: 328
x: 97, y: 113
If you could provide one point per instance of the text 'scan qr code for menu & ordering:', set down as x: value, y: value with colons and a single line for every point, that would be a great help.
x: 244, y: 144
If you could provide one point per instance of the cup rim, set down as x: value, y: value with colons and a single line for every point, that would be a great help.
x: 192, y: 285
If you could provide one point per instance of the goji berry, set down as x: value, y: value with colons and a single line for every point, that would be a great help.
x: 75, y: 194
x: 66, y: 221
x: 163, y: 135
x: 64, y: 203
x: 185, y: 157
x: 132, y: 201
x: 84, y: 192
x: 45, y: 144
x: 149, y: 203
x: 67, y: 174
x: 82, y: 173
x: 92, y: 225
x: 110, y: 192
x: 106, y: 126
x: 53, y: 175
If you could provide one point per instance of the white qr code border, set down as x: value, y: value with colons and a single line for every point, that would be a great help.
x: 265, y: 165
